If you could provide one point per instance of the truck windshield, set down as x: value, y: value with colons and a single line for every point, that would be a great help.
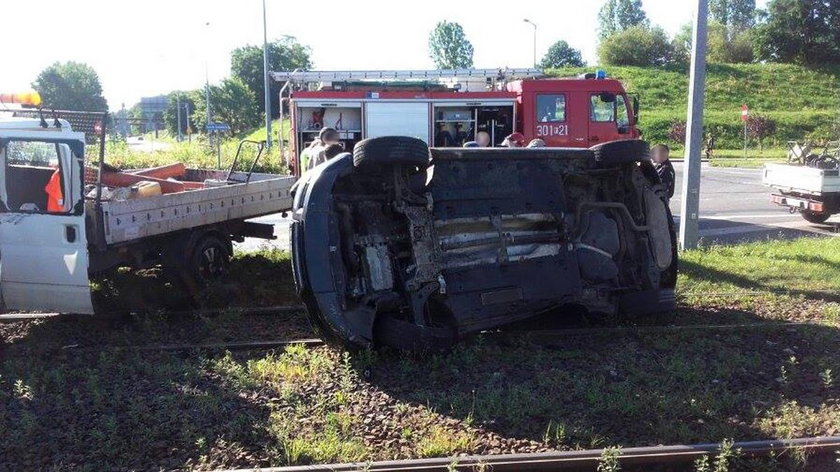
x: 34, y: 178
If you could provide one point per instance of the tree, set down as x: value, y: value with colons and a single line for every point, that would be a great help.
x: 70, y: 86
x: 170, y: 117
x: 724, y: 46
x: 676, y: 131
x: 800, y: 31
x: 560, y: 54
x: 285, y: 54
x: 637, y: 46
x: 231, y: 102
x: 618, y: 15
x: 736, y: 15
x: 449, y: 47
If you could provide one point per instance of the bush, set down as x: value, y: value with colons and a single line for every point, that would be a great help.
x: 676, y: 132
x: 760, y: 127
x: 637, y: 46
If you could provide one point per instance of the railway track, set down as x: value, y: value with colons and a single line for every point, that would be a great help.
x: 539, y: 336
x: 632, y: 457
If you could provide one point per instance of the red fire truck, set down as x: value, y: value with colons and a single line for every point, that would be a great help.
x: 446, y: 108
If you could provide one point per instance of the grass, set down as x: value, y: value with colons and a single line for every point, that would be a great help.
x: 803, y: 101
x: 97, y: 409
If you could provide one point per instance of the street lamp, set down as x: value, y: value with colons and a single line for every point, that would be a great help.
x: 526, y: 20
x: 207, y: 77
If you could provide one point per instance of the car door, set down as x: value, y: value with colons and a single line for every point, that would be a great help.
x: 43, y: 246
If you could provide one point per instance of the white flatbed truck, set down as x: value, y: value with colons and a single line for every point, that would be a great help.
x: 47, y: 257
x: 812, y: 191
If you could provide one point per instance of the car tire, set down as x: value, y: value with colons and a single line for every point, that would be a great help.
x: 815, y: 217
x: 373, y: 153
x: 210, y: 260
x: 620, y: 152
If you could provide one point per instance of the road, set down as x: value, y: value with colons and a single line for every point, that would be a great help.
x: 734, y: 207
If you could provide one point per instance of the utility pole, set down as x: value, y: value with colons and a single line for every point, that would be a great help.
x: 690, y: 201
x: 535, y: 39
x: 207, y: 80
x: 265, y: 82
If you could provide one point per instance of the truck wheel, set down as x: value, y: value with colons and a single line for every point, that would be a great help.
x: 619, y: 152
x: 814, y: 217
x: 374, y: 153
x: 210, y: 259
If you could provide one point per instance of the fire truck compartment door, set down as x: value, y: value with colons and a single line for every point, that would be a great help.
x: 397, y: 119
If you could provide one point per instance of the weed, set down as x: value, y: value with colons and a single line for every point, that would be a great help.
x: 608, y: 462
x: 440, y: 442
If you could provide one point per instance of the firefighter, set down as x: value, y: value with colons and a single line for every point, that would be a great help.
x: 660, y: 154
x: 514, y: 140
x: 536, y: 143
x: 306, y: 154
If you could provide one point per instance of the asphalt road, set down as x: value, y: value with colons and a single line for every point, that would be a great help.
x: 734, y: 207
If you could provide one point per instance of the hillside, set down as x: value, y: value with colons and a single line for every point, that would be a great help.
x: 804, y: 102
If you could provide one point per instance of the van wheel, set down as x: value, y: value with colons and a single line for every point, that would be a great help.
x: 814, y: 217
x: 210, y: 260
x: 374, y: 153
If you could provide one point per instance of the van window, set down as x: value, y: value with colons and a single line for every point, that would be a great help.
x: 600, y: 110
x: 551, y: 108
x: 34, y: 180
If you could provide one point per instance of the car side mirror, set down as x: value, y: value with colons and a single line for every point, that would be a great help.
x: 636, y: 107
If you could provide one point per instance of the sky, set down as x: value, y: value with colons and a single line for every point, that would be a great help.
x: 151, y: 47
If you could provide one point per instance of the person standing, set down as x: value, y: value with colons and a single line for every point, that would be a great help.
x: 660, y: 155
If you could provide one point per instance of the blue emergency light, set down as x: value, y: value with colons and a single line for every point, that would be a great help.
x: 600, y: 74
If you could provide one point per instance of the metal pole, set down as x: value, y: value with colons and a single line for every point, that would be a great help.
x: 265, y: 82
x: 690, y: 202
x: 178, y: 112
x: 207, y: 83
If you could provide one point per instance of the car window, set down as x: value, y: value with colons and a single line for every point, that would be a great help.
x: 551, y: 108
x: 622, y: 118
x: 600, y: 110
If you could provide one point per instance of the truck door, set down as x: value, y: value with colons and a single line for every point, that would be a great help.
x: 43, y: 245
x: 608, y: 118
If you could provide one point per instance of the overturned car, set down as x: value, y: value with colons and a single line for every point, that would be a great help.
x: 393, y: 248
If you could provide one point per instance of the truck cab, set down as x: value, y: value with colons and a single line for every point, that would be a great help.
x: 576, y: 113
x: 43, y: 242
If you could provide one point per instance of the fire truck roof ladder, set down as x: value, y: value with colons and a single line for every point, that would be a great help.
x: 339, y: 75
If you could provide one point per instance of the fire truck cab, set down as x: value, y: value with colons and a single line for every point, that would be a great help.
x: 446, y: 108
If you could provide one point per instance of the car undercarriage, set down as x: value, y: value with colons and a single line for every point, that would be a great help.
x: 391, y: 248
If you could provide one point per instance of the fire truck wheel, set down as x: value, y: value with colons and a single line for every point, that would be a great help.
x: 814, y: 217
x: 619, y: 152
x: 391, y: 150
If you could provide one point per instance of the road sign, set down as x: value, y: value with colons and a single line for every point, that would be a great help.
x: 217, y: 127
x: 745, y: 112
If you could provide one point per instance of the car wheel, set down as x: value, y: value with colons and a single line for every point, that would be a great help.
x: 210, y: 260
x: 374, y: 153
x: 815, y: 217
x: 623, y: 151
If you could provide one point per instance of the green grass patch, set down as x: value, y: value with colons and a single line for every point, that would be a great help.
x: 95, y: 409
x: 803, y: 101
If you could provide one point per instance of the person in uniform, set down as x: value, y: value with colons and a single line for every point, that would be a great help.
x: 660, y: 155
